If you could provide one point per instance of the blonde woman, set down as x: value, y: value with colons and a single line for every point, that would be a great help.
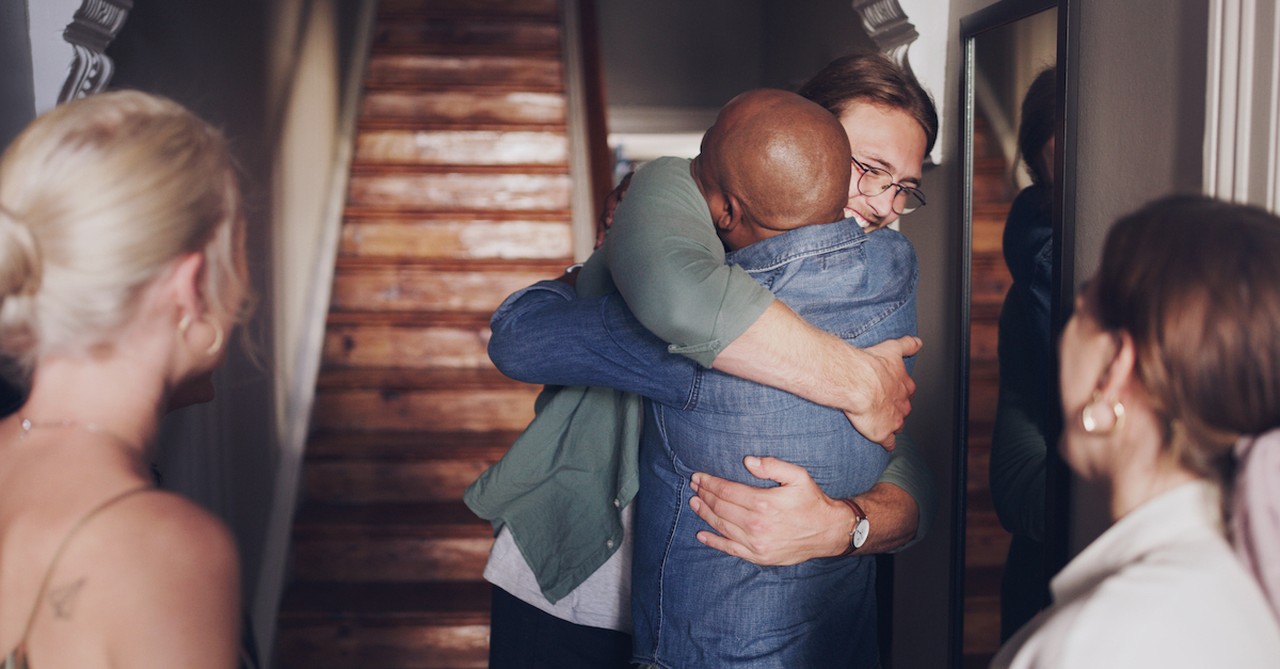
x: 1171, y: 359
x: 121, y: 277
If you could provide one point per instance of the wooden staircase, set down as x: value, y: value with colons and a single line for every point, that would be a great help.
x: 986, y: 541
x: 459, y: 195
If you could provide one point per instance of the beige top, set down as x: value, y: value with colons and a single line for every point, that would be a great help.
x: 1160, y: 588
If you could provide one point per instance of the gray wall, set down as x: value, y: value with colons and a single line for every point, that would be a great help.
x: 209, y: 56
x: 1141, y: 115
x: 16, y: 87
x: 801, y: 37
x: 675, y: 53
x: 234, y: 63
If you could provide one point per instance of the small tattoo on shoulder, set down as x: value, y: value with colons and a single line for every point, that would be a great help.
x: 63, y: 598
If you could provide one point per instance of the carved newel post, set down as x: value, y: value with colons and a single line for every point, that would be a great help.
x: 92, y: 28
x: 888, y: 27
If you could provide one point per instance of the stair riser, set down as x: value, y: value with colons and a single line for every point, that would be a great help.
x: 521, y: 73
x: 417, y: 348
x: 986, y: 542
x: 393, y: 289
x: 345, y: 482
x: 983, y: 346
x: 346, y: 556
x: 472, y: 108
x: 991, y: 190
x: 460, y: 410
x: 981, y: 625
x: 987, y: 238
x: 479, y: 35
x: 458, y: 240
x: 388, y: 646
x: 453, y: 192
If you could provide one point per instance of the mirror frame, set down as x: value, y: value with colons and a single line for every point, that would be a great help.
x: 1057, y: 475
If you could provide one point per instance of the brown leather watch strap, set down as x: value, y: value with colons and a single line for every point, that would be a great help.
x: 858, y: 515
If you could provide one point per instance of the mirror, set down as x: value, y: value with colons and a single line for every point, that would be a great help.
x: 1011, y: 141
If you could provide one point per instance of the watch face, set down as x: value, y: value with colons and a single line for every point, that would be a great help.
x: 860, y: 533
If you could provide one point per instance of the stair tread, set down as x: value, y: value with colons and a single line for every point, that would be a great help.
x: 484, y: 48
x: 347, y: 320
x: 417, y: 83
x: 384, y: 122
x: 449, y: 265
x: 481, y: 72
x: 426, y: 379
x: 498, y: 216
x: 427, y: 519
x: 384, y: 445
x: 379, y: 169
x: 410, y: 318
x: 493, y: 213
x: 445, y: 602
x: 398, y: 17
x: 507, y: 7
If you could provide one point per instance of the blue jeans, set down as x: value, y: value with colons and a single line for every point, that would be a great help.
x: 524, y: 637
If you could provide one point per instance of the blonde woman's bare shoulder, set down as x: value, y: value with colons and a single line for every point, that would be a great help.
x: 162, y: 575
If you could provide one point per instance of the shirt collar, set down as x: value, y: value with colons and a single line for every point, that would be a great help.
x: 810, y: 240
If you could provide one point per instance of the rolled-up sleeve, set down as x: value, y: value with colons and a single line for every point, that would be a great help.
x: 666, y: 260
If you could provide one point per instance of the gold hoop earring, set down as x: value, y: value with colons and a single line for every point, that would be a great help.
x: 218, y: 334
x: 1090, y: 422
x: 217, y: 345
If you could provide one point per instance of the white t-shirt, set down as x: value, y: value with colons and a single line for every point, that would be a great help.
x: 603, y: 600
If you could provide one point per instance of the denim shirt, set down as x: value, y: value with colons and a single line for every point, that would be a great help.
x: 862, y: 289
x: 838, y: 278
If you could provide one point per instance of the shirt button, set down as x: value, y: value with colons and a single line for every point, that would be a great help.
x: 617, y: 503
x: 609, y: 543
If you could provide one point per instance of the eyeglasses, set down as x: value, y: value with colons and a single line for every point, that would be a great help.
x: 875, y: 181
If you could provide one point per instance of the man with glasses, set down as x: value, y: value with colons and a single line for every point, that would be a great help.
x: 888, y: 281
x: 873, y: 181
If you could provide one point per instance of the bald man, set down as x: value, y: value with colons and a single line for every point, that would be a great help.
x: 770, y: 185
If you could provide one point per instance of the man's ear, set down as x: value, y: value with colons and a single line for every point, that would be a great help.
x: 730, y: 216
x: 185, y: 283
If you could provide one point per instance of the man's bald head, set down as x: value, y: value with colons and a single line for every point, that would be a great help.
x: 784, y: 159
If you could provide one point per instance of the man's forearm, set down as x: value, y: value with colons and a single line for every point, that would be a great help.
x: 894, y: 518
x: 893, y: 515
x: 782, y: 350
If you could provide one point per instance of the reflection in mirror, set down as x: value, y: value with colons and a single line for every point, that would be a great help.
x: 1009, y: 391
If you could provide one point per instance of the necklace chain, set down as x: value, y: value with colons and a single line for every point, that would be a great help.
x: 93, y: 428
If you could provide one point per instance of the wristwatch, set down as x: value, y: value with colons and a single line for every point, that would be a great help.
x: 861, y: 527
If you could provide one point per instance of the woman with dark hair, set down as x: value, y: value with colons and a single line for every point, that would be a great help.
x: 1026, y: 401
x: 1170, y: 369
